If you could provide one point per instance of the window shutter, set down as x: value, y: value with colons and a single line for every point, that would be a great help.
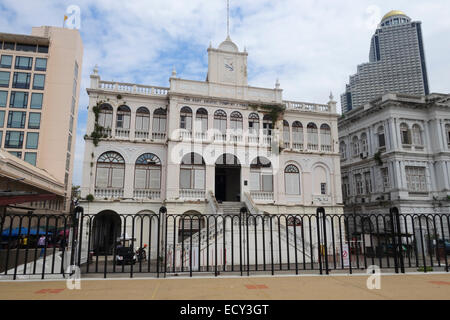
x: 199, y: 183
x: 126, y: 122
x: 292, y: 183
x: 145, y: 123
x: 139, y: 122
x: 185, y: 179
x: 155, y: 179
x: 140, y: 178
x: 102, y: 177
x: 254, y: 181
x: 117, y: 177
x: 267, y: 182
x: 108, y: 120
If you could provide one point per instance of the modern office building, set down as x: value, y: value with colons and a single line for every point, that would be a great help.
x: 207, y: 147
x: 40, y: 76
x: 396, y: 63
x: 395, y: 152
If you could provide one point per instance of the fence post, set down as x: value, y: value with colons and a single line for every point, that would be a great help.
x: 325, y: 240
x: 395, y: 232
x: 319, y: 251
x: 161, y: 241
x: 400, y: 242
x: 77, y: 217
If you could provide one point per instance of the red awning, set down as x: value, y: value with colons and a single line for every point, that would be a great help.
x: 16, y: 199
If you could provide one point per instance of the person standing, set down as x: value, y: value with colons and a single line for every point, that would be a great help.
x: 41, y: 244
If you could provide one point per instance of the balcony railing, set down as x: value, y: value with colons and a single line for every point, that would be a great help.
x: 267, y: 141
x: 326, y: 148
x: 147, y: 194
x: 106, y: 132
x: 201, y: 136
x: 297, y: 146
x: 305, y: 106
x: 313, y: 147
x: 122, y: 133
x: 287, y: 144
x: 141, y: 134
x: 133, y: 88
x: 185, y: 135
x: 191, y: 194
x: 159, y: 136
x: 261, y: 195
x: 253, y: 139
x: 102, y: 193
x: 220, y: 137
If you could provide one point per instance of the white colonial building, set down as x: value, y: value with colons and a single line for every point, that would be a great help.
x: 209, y: 147
x: 395, y: 151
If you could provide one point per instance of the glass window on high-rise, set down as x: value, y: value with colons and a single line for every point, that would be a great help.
x: 38, y: 81
x: 14, y: 139
x: 34, y: 120
x: 6, y: 61
x: 1, y: 138
x: 41, y: 64
x: 21, y: 80
x: 18, y: 99
x: 3, y: 98
x: 2, y: 119
x: 24, y: 63
x: 32, y: 140
x: 4, y: 79
x: 16, y: 119
x: 31, y: 157
x: 36, y: 101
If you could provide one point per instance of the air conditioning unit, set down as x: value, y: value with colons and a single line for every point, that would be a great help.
x: 364, y: 155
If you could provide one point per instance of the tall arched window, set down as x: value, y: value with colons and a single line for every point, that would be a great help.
x: 325, y: 137
x: 253, y: 124
x: 220, y: 124
x: 189, y: 224
x: 292, y: 180
x: 286, y: 134
x: 123, y: 118
x: 159, y: 124
x: 343, y: 150
x: 447, y: 129
x: 142, y: 122
x: 364, y: 145
x: 110, y: 171
x: 201, y: 123
x: 261, y: 175
x: 105, y: 116
x: 267, y: 125
x: 381, y: 137
x: 236, y: 121
x: 297, y: 135
x: 147, y: 173
x: 192, y: 172
x: 313, y: 137
x: 405, y: 134
x: 355, y: 146
x: 417, y: 136
x: 186, y: 119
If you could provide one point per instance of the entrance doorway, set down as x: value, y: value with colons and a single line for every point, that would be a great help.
x: 106, y: 227
x: 228, y: 179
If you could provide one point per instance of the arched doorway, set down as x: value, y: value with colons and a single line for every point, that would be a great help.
x: 228, y: 178
x: 107, y: 228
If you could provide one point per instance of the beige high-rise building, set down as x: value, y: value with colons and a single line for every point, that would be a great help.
x: 40, y: 77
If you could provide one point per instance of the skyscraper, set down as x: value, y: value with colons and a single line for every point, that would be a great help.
x: 39, y: 89
x: 396, y: 63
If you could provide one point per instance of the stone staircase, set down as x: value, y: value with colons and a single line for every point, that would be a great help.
x: 231, y: 208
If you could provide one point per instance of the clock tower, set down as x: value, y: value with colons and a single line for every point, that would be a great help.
x: 227, y: 65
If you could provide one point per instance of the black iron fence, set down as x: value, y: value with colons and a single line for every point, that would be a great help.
x: 163, y: 244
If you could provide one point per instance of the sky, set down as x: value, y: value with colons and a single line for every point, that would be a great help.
x: 311, y: 46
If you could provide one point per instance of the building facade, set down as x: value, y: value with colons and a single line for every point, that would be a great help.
x: 396, y: 152
x: 396, y: 63
x: 208, y: 147
x: 40, y: 76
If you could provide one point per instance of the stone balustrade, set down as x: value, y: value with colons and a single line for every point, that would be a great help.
x: 147, y: 194
x: 261, y: 196
x: 305, y: 106
x: 102, y: 193
x: 132, y: 88
x: 191, y: 194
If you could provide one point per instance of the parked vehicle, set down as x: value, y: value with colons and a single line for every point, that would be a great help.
x: 141, y: 254
x: 125, y: 255
x: 443, y: 244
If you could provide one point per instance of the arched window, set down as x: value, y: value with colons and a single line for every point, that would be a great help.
x: 253, y: 124
x: 186, y: 119
x: 417, y: 135
x: 147, y: 173
x: 123, y: 118
x: 105, y: 116
x: 236, y: 121
x: 405, y: 134
x: 320, y: 178
x: 261, y: 175
x: 142, y: 120
x: 297, y: 135
x: 220, y: 124
x: 355, y: 146
x: 292, y: 180
x: 267, y: 125
x: 381, y: 137
x: 159, y: 122
x: 189, y: 224
x: 286, y: 134
x: 447, y: 129
x: 201, y: 121
x: 343, y: 150
x: 325, y: 138
x: 364, y: 146
x: 313, y: 137
x: 192, y: 172
x: 110, y: 171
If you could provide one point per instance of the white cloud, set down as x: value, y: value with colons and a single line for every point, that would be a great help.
x: 312, y: 46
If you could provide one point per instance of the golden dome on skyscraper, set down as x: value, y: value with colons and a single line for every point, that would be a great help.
x: 393, y: 13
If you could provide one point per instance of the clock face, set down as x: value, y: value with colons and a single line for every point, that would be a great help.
x: 229, y: 65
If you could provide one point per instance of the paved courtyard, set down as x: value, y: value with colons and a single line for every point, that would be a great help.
x: 410, y: 286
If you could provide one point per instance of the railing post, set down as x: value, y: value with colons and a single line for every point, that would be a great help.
x: 77, y: 217
x: 394, y: 240
x: 321, y: 211
x: 318, y: 241
x: 161, y: 241
x: 399, y: 235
